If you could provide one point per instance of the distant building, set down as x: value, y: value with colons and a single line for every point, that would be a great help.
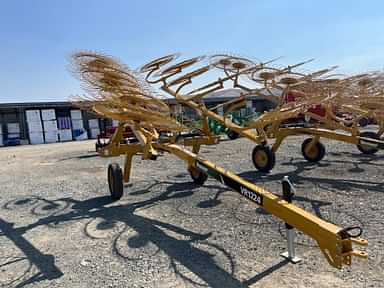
x: 47, y: 122
x: 254, y: 103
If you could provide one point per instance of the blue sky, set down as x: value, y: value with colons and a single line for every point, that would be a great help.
x: 36, y: 36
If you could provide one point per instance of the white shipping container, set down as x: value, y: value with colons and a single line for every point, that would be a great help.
x: 35, y: 126
x: 48, y: 114
x: 94, y: 132
x: 13, y: 128
x: 77, y: 124
x: 76, y: 115
x: 33, y: 115
x: 50, y: 125
x: 93, y: 123
x: 51, y: 137
x: 36, y: 138
x: 65, y: 135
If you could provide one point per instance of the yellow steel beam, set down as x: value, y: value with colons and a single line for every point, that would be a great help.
x: 334, y: 241
x: 330, y: 134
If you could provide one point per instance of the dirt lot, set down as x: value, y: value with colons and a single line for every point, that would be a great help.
x: 58, y: 228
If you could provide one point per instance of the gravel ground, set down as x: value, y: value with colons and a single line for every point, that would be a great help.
x: 59, y: 229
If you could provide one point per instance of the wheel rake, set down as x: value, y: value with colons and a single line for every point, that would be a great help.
x: 115, y: 91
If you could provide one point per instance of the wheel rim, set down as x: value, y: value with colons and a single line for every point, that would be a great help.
x: 312, y: 152
x: 261, y: 158
x: 369, y: 148
x: 195, y: 173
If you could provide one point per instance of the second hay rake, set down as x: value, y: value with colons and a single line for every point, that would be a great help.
x: 343, y: 96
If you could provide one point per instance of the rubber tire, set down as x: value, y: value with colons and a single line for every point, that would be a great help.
x: 197, y: 176
x: 320, y: 148
x: 115, y: 181
x: 363, y: 122
x: 369, y: 151
x: 270, y: 157
x: 233, y: 135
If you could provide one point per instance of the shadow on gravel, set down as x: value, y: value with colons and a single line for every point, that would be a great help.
x: 362, y: 159
x: 360, y: 156
x: 45, y: 263
x: 266, y: 272
x: 185, y: 253
x: 80, y: 157
x: 295, y: 176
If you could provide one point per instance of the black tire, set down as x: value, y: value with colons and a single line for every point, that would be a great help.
x: 153, y: 157
x: 233, y: 135
x: 363, y: 122
x: 369, y: 150
x: 197, y: 176
x: 263, y: 158
x: 115, y: 181
x: 316, y: 153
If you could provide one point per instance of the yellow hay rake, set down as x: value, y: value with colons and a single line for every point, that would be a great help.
x: 115, y: 92
x: 359, y: 97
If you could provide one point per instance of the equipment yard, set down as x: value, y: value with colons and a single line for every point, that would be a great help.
x: 59, y: 227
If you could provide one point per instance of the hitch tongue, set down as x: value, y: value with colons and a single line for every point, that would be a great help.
x: 348, y: 251
x: 359, y: 241
x: 357, y: 253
